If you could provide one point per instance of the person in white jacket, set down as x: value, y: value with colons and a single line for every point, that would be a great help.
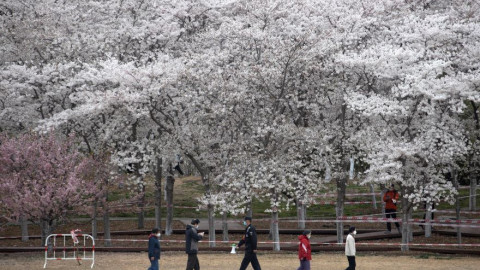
x: 350, y: 248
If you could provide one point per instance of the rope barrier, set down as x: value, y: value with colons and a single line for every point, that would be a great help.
x: 454, y: 212
x: 296, y: 242
x: 368, y: 219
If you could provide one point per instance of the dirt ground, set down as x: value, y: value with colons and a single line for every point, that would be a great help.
x: 221, y: 261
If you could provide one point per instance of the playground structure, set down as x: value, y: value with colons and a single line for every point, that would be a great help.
x: 90, y: 250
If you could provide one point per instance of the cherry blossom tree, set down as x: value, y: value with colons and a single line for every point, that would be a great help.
x: 411, y: 91
x: 258, y: 59
x: 43, y: 177
x: 266, y: 98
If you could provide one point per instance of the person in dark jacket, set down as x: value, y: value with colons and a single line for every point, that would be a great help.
x: 304, y: 250
x: 154, y: 249
x: 250, y: 241
x: 191, y: 244
x: 390, y: 198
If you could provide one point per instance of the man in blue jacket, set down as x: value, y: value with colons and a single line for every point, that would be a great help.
x: 154, y: 249
x: 250, y: 241
x: 191, y: 244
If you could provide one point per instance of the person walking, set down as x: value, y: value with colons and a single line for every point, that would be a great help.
x: 350, y: 248
x: 191, y: 244
x: 250, y: 241
x: 390, y: 198
x: 154, y: 249
x: 304, y: 250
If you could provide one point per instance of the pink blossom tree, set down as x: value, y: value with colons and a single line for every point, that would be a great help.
x: 42, y: 177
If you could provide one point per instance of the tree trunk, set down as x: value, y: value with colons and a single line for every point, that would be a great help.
x: 328, y: 173
x: 94, y: 219
x: 428, y: 220
x: 473, y: 193
x: 225, y: 226
x: 106, y: 228
x: 458, y: 229
x: 304, y: 209
x: 106, y: 219
x: 351, y: 169
x: 24, y: 228
x: 206, y: 183
x: 249, y: 208
x: 275, y: 231
x: 405, y: 231
x: 270, y: 232
x: 301, y: 214
x: 158, y: 194
x: 341, y: 189
x: 47, y: 229
x: 382, y: 192
x: 409, y: 226
x: 141, y: 204
x: 169, y: 189
x: 473, y: 176
x: 211, y: 225
x: 457, y: 205
x: 374, y: 198
x: 405, y: 218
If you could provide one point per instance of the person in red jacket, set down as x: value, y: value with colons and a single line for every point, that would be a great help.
x: 304, y: 250
x: 391, y: 198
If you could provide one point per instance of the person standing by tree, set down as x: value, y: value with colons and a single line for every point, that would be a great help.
x: 250, y: 241
x: 350, y: 248
x: 304, y: 250
x: 154, y: 249
x: 191, y: 244
x: 390, y: 198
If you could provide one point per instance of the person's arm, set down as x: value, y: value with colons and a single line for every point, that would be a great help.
x: 354, y: 249
x: 397, y: 196
x: 241, y: 241
x: 303, y: 250
x: 196, y: 236
x: 254, y: 238
x: 385, y: 199
x: 151, y: 248
x: 348, y: 246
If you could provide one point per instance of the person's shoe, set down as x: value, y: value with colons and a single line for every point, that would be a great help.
x: 399, y: 231
x: 388, y: 232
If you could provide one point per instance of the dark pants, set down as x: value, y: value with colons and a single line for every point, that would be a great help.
x: 154, y: 265
x: 250, y: 257
x: 192, y: 262
x: 390, y: 213
x: 304, y: 265
x: 351, y: 263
